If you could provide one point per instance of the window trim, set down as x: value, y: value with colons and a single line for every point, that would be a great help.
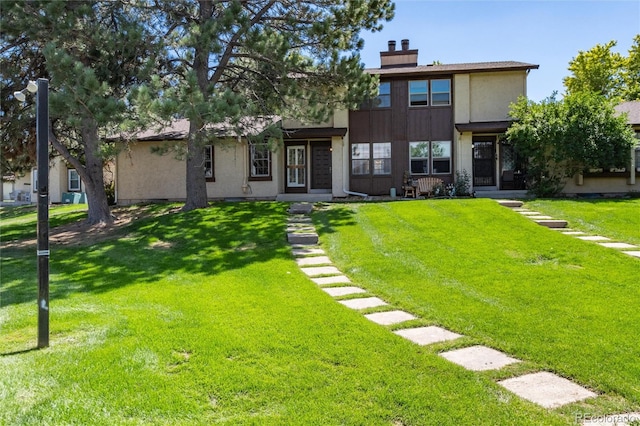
x: 433, y: 158
x: 69, y: 180
x: 386, y: 96
x: 269, y: 158
x: 433, y: 92
x: 209, y: 157
x: 370, y: 160
x: 426, y: 94
x: 427, y: 158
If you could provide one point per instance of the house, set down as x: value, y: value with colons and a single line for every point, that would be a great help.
x: 65, y: 185
x: 431, y: 120
x: 613, y: 181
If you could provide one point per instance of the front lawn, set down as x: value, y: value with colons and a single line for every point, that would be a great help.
x: 614, y: 218
x: 205, y: 318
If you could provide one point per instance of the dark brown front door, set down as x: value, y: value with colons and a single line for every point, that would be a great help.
x: 484, y: 163
x: 321, y: 165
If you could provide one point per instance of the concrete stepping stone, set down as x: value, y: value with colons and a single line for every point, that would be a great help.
x: 546, y: 389
x: 343, y: 291
x: 336, y: 279
x: 573, y: 233
x: 540, y: 217
x: 632, y: 253
x: 552, y: 223
x: 299, y: 219
x: 390, y: 317
x: 510, y: 203
x: 316, y: 260
x: 303, y: 252
x: 594, y: 238
x: 479, y: 358
x: 364, y: 303
x: 321, y: 270
x: 623, y: 419
x: 618, y: 245
x: 427, y: 335
x: 300, y: 208
x: 302, y: 228
x: 302, y: 238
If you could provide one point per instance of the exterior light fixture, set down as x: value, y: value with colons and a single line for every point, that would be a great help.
x: 41, y: 87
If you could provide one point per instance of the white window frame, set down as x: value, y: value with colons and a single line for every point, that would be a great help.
x: 434, y: 92
x: 256, y: 170
x: 360, y: 159
x: 381, y: 158
x: 424, y: 159
x: 383, y: 100
x: 425, y: 93
x: 77, y: 179
x: 434, y: 158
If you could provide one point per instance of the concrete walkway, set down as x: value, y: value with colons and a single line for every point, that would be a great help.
x: 561, y: 226
x: 543, y: 388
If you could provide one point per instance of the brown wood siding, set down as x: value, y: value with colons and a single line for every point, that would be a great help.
x: 399, y: 125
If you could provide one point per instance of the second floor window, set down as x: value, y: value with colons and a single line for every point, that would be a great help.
x: 418, y: 93
x: 384, y: 95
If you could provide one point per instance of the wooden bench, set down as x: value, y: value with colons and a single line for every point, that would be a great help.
x: 426, y: 184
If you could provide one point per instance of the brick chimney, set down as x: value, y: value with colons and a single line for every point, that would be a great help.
x: 393, y: 58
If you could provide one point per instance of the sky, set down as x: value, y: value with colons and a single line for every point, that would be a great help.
x: 548, y: 33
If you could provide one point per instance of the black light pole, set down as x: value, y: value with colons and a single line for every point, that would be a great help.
x: 42, y: 142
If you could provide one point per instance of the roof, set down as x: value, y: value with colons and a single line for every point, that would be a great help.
x: 314, y: 132
x: 632, y: 108
x: 464, y: 68
x: 179, y: 129
x: 484, y: 126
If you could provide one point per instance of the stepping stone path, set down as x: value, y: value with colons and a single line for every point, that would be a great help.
x: 561, y: 226
x: 543, y: 388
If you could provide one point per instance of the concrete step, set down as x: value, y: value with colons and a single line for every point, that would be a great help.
x: 510, y: 203
x: 552, y: 223
x: 309, y: 238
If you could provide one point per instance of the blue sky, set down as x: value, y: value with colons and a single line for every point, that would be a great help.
x: 548, y: 33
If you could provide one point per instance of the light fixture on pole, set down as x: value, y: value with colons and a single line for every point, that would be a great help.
x: 41, y: 87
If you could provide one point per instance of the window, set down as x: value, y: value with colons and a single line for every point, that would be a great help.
x: 441, y: 157
x: 374, y: 158
x: 638, y: 159
x: 419, y: 158
x: 418, y: 93
x: 260, y: 161
x: 440, y: 92
x: 208, y: 163
x: 360, y: 159
x: 384, y: 95
x: 73, y: 181
x: 382, y: 158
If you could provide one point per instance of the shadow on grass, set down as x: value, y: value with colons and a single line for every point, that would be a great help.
x: 329, y: 218
x: 205, y: 242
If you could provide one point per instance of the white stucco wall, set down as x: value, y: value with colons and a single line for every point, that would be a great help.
x: 143, y: 176
x: 491, y: 94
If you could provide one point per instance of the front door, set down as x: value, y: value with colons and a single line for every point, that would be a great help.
x: 296, y: 168
x: 484, y: 163
x: 321, y: 168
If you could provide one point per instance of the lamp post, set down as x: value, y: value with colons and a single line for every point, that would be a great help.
x: 41, y: 88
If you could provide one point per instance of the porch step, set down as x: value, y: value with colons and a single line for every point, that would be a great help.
x: 309, y: 238
x: 552, y: 223
x: 308, y: 198
x: 510, y: 203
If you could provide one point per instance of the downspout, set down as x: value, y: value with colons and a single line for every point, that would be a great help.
x: 245, y: 184
x: 346, y: 191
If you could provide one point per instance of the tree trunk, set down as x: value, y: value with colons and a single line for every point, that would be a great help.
x: 93, y: 175
x: 196, y: 182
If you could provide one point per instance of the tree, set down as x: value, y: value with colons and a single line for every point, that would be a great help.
x: 227, y: 60
x: 93, y: 53
x: 562, y: 138
x: 607, y: 73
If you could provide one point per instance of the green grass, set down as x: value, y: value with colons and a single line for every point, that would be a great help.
x: 20, y: 222
x: 618, y: 219
x: 558, y: 303
x: 204, y: 318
